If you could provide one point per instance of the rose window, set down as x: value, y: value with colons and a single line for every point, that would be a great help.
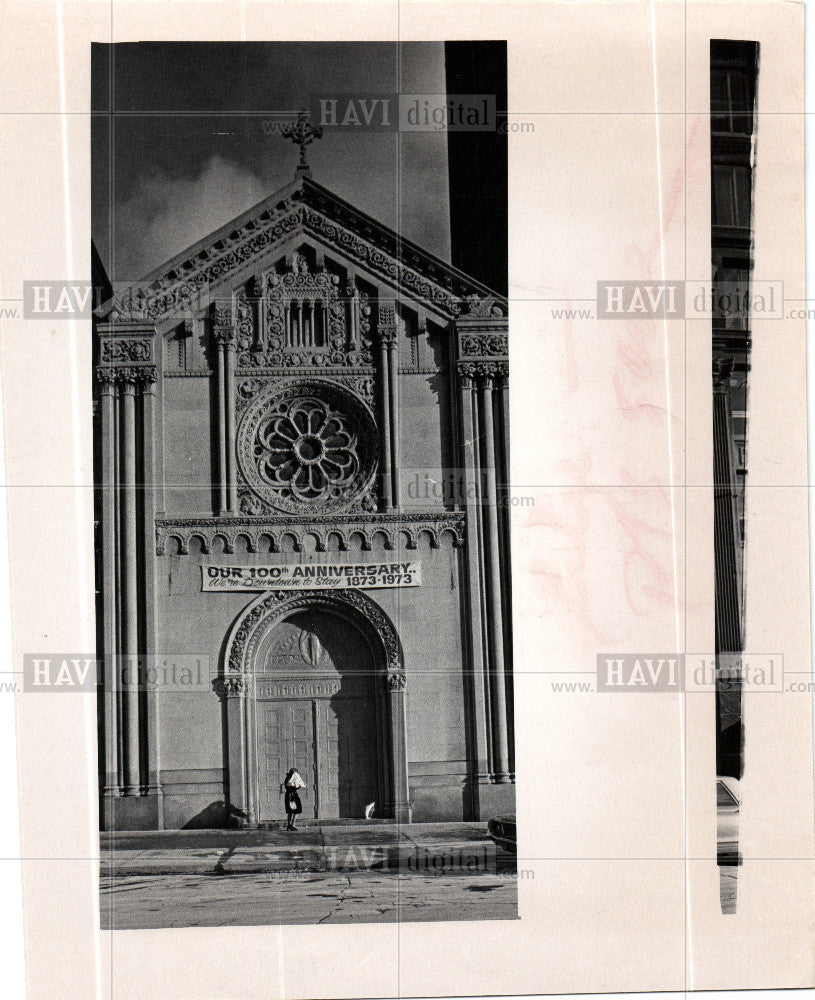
x: 307, y: 450
x: 307, y: 446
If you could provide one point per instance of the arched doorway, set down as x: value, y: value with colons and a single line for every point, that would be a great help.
x: 330, y: 730
x: 316, y: 681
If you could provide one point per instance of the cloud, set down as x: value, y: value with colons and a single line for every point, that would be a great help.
x: 165, y: 214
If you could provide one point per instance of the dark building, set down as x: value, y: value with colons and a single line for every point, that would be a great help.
x: 733, y: 80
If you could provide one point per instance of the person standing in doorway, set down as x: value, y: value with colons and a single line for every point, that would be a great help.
x: 290, y: 787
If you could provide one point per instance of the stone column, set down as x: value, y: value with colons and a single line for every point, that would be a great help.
x: 148, y: 545
x: 130, y: 597
x: 481, y: 344
x: 108, y: 543
x: 504, y: 523
x: 386, y: 454
x: 495, y: 605
x: 231, y: 471
x: 233, y: 690
x: 475, y: 674
x: 221, y: 386
x: 387, y: 330
x: 127, y: 367
x: 352, y: 313
x: 400, y: 807
x: 393, y: 387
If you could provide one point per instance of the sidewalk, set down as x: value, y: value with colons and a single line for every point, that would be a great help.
x: 383, y: 847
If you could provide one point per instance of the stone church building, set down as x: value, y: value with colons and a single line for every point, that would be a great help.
x: 302, y: 549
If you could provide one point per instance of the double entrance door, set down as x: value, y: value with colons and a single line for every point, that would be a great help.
x: 332, y: 743
x: 316, y: 710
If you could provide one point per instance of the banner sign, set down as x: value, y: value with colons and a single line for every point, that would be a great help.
x: 312, y: 576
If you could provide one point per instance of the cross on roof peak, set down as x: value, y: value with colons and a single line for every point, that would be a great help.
x: 302, y: 133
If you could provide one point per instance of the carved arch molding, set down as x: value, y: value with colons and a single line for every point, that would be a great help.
x: 256, y: 621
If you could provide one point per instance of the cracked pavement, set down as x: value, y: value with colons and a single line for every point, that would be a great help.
x: 146, y: 901
x: 320, y: 874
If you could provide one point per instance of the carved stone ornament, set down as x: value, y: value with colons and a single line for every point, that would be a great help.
x: 308, y: 446
x: 306, y: 320
x: 230, y: 685
x: 396, y: 680
x: 255, y: 623
x: 483, y: 345
x: 484, y: 307
x: 114, y: 350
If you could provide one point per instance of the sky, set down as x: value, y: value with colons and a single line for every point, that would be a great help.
x: 179, y: 146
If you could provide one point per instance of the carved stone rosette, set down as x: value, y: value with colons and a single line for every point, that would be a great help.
x: 306, y: 445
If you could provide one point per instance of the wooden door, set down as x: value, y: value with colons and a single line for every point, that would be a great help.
x: 348, y: 763
x: 287, y: 740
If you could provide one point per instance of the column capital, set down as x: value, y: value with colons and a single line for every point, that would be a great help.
x: 107, y: 381
x: 231, y: 685
x: 387, y: 323
x: 483, y: 372
x: 129, y: 377
x: 396, y: 680
x: 223, y: 327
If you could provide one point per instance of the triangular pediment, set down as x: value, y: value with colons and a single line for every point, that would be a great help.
x: 303, y: 209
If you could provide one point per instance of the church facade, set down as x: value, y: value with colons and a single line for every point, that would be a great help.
x: 301, y: 450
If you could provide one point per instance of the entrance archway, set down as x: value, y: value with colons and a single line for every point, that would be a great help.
x: 315, y: 680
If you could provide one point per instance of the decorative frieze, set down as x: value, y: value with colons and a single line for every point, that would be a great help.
x: 272, y: 534
x: 312, y: 687
x: 483, y: 344
x: 115, y: 351
x: 248, y: 388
